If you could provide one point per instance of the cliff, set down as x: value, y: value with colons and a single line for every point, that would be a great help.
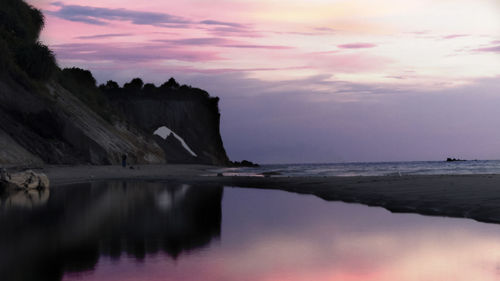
x: 54, y: 116
x: 54, y: 127
x: 188, y: 112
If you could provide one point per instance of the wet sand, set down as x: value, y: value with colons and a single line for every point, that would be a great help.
x: 60, y: 175
x: 469, y: 196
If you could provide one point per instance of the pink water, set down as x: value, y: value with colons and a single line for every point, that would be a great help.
x: 248, y: 234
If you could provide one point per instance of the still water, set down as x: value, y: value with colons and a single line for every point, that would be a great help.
x: 159, y: 231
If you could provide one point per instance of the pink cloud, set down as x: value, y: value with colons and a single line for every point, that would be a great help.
x: 453, y: 36
x: 357, y: 46
x: 201, y: 41
x: 397, y: 77
x: 325, y: 29
x: 102, y: 16
x: 130, y: 53
x: 494, y: 49
x: 420, y: 32
x: 103, y: 36
x: 316, y: 31
x: 268, y: 47
x: 347, y: 63
x: 220, y: 42
x: 233, y: 31
x: 215, y: 71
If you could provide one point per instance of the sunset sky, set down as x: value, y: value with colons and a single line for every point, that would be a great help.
x: 308, y: 81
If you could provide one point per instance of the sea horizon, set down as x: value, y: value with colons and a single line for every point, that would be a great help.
x: 371, y: 162
x: 394, y: 168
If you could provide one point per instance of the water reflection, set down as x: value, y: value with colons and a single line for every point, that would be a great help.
x: 13, y: 198
x: 41, y: 239
x: 153, y: 231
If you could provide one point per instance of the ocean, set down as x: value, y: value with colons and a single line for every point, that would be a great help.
x: 370, y: 169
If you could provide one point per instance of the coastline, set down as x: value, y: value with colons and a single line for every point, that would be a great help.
x: 465, y: 196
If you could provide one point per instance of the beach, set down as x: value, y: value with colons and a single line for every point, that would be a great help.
x: 59, y: 175
x: 466, y: 196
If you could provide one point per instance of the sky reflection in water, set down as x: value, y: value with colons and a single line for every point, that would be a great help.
x: 153, y: 231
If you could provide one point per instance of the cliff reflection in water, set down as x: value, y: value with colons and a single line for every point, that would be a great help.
x: 70, y: 230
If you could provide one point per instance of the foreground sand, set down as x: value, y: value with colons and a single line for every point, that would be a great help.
x: 469, y: 196
x: 75, y: 174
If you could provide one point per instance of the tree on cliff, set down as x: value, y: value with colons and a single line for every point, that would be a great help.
x: 170, y: 84
x: 149, y: 89
x: 83, y: 76
x: 82, y: 84
x: 110, y: 86
x: 134, y: 86
x: 20, y: 50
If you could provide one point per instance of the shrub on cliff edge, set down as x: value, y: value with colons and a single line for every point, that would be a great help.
x: 20, y: 26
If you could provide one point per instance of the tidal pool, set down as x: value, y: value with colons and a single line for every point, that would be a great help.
x: 160, y: 231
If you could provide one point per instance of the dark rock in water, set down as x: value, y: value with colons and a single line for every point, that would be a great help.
x: 244, y: 163
x: 220, y: 174
x: 454, y: 160
x: 269, y: 174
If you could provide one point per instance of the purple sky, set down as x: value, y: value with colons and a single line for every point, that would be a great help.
x: 308, y: 81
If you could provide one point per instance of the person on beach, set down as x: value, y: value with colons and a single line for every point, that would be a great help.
x: 124, y: 160
x: 3, y: 174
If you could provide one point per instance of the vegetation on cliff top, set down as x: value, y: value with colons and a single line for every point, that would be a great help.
x: 22, y: 55
x: 170, y: 89
x: 82, y: 84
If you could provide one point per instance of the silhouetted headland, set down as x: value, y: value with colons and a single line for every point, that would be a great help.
x: 50, y: 115
x: 454, y: 160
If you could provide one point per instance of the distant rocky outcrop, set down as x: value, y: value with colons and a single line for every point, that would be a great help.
x: 270, y: 174
x: 454, y: 160
x: 244, y: 163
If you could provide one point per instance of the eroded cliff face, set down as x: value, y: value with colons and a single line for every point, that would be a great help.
x: 51, y: 125
x: 55, y: 127
x: 189, y: 112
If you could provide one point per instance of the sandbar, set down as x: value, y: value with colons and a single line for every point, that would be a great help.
x: 465, y: 196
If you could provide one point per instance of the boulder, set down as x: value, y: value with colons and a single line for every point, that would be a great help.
x: 24, y: 180
x: 270, y: 174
